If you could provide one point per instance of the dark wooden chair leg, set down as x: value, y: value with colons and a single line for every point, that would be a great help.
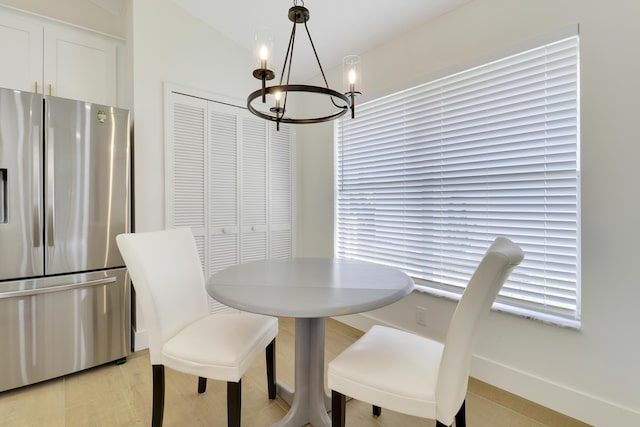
x: 234, y: 399
x: 376, y: 410
x: 338, y: 409
x: 202, y: 385
x: 271, y: 369
x: 157, y: 412
x: 461, y: 417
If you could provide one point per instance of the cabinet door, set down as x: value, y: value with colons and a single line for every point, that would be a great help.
x: 253, y: 189
x: 21, y: 53
x: 80, y: 65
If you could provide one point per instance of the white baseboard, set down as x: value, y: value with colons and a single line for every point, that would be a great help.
x: 573, y: 403
x: 140, y: 340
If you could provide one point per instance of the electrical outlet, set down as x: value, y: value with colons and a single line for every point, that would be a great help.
x: 421, y: 314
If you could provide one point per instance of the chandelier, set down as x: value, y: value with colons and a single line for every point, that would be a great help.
x: 337, y: 103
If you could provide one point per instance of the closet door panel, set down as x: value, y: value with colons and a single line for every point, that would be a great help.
x: 280, y: 192
x: 223, y: 191
x: 185, y: 168
x: 228, y: 178
x: 223, y: 172
x: 253, y: 189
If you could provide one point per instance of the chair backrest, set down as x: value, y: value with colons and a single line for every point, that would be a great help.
x: 483, y: 287
x: 167, y: 276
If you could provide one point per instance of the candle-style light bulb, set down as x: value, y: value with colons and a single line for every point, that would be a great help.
x: 278, y: 95
x: 264, y: 54
x: 352, y: 80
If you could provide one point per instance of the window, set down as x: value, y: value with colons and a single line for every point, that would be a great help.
x: 428, y: 177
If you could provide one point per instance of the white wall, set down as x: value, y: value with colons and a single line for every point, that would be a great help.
x: 592, y: 374
x: 169, y: 45
x: 172, y: 46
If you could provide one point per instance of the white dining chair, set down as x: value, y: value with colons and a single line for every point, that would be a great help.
x: 415, y: 375
x: 167, y: 276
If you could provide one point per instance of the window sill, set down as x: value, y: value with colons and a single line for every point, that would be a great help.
x: 425, y: 287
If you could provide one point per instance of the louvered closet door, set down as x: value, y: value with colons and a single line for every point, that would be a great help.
x: 280, y: 200
x: 185, y: 167
x: 253, y: 189
x: 229, y: 178
x: 223, y: 190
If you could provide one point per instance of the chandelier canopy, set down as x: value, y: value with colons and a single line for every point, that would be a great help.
x: 338, y: 103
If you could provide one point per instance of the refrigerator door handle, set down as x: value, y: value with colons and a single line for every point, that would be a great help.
x: 3, y: 197
x: 50, y: 189
x: 37, y: 208
x: 30, y: 292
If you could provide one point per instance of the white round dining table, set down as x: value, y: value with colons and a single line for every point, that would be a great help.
x: 309, y: 290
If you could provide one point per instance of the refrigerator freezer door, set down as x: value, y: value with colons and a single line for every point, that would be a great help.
x: 53, y: 326
x: 21, y: 249
x: 87, y: 185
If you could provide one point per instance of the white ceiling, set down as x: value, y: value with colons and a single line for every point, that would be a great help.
x: 338, y: 27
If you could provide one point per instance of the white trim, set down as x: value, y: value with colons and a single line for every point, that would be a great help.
x: 55, y: 21
x: 170, y: 87
x: 140, y: 340
x: 531, y: 314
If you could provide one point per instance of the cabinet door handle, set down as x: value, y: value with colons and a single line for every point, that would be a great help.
x: 49, y: 89
x: 35, y: 85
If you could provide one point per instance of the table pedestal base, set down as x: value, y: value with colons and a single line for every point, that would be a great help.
x: 308, y: 401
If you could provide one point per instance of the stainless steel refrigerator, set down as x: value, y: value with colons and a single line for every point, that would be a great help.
x: 64, y: 196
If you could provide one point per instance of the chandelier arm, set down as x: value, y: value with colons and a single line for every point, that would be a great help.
x: 292, y: 39
x: 316, y: 54
x: 319, y: 64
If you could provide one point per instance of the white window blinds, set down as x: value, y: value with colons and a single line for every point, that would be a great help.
x: 428, y: 177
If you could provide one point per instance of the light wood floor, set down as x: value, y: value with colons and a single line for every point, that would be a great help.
x: 113, y: 395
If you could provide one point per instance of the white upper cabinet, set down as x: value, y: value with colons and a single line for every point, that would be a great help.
x: 80, y: 65
x: 21, y: 52
x: 55, y: 59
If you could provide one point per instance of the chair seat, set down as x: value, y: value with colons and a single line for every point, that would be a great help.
x: 233, y: 341
x: 390, y: 368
